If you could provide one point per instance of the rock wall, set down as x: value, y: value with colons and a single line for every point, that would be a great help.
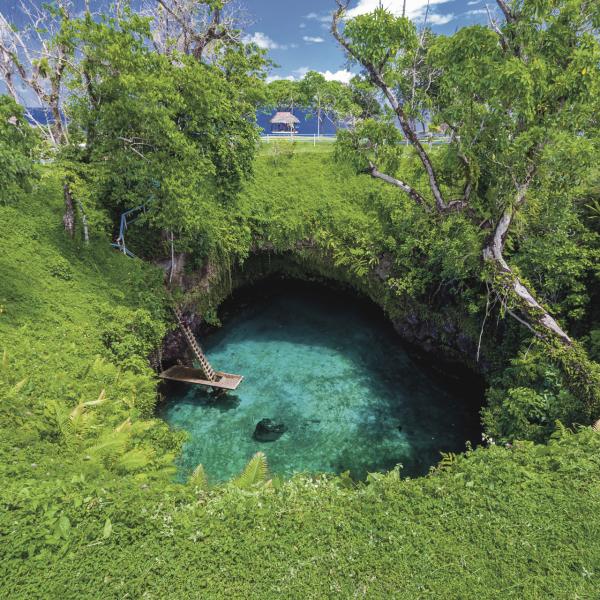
x: 436, y: 333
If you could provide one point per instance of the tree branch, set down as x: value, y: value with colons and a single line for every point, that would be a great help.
x: 508, y: 14
x: 399, y: 184
x: 538, y: 318
x: 497, y: 29
x: 404, y: 122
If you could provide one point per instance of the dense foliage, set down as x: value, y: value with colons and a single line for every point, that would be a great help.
x: 170, y: 132
x: 17, y: 143
x: 519, y: 104
x: 87, y: 507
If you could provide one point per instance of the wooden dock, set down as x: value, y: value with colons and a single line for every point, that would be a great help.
x: 223, y: 381
x: 205, y: 375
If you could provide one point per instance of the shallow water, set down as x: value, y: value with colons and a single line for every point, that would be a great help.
x: 329, y: 367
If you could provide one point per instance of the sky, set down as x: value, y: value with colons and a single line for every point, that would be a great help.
x: 298, y: 38
x: 296, y: 32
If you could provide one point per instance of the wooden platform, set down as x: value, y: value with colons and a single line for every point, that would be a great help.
x: 196, y: 376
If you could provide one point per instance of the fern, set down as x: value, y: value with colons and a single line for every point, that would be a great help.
x: 254, y: 474
x: 109, y: 445
x: 198, y: 478
x: 135, y: 459
x: 448, y: 460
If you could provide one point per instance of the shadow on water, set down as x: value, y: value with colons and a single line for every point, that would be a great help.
x: 328, y: 366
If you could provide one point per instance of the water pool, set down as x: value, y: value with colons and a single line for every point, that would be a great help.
x: 328, y: 367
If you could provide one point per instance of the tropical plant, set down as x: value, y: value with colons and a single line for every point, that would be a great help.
x: 254, y: 473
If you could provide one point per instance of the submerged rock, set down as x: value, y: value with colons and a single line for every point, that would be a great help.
x: 268, y: 431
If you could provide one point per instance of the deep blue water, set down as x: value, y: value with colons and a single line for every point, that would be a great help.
x: 329, y: 368
x: 307, y: 125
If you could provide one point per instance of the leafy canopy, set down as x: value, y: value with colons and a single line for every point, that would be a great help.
x: 17, y: 151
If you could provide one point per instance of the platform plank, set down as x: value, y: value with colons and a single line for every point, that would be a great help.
x: 226, y: 381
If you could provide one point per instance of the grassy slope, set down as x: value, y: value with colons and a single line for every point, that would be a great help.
x: 520, y: 523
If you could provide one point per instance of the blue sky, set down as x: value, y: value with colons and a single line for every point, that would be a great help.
x: 296, y: 32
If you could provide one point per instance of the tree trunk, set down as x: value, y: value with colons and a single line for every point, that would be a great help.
x: 84, y: 223
x: 69, y: 214
x: 510, y: 288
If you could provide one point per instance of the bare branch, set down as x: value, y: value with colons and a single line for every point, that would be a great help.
x: 22, y: 54
x: 192, y: 27
x: 399, y: 184
x: 497, y: 29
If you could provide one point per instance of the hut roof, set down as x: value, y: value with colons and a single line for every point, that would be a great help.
x: 285, y: 117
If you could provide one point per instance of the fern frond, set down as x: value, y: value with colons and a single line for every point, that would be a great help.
x: 198, y: 478
x: 254, y: 473
x: 17, y: 387
x: 124, y: 426
x: 110, y: 444
x: 448, y: 459
x: 135, y: 459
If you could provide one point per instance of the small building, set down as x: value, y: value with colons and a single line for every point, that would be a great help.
x: 284, y: 122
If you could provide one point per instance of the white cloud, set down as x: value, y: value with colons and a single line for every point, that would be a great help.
x: 477, y: 11
x: 436, y: 19
x: 415, y: 9
x: 342, y: 75
x: 271, y: 78
x: 324, y: 18
x: 262, y: 40
x: 302, y: 25
x: 301, y: 72
x: 313, y: 40
x: 473, y: 2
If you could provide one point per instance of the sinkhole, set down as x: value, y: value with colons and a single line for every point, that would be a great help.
x: 327, y: 368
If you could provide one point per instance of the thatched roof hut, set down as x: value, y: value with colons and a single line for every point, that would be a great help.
x: 284, y: 121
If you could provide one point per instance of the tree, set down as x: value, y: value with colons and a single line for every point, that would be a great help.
x: 518, y: 99
x: 17, y: 143
x: 284, y: 94
x: 166, y: 130
x: 365, y: 98
x: 332, y: 100
x: 51, y: 59
x: 37, y: 56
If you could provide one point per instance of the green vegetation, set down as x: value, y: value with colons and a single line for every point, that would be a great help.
x: 17, y: 144
x: 492, y: 238
x: 88, y: 504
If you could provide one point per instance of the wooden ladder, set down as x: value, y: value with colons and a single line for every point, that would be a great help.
x: 208, y: 371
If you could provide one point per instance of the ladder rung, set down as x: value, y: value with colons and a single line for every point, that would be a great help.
x: 209, y: 372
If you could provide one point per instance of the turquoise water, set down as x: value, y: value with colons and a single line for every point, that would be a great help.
x: 329, y: 367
